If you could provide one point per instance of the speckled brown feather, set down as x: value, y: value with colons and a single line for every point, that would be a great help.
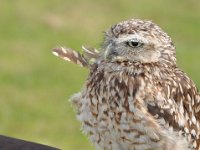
x: 70, y: 55
x: 83, y: 60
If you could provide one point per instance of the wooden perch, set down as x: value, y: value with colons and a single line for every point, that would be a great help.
x: 8, y: 143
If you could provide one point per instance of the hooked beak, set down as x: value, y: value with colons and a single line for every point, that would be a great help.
x: 107, y: 52
x: 110, y: 52
x: 112, y: 55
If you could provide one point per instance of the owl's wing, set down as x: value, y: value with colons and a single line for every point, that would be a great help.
x: 90, y: 53
x: 179, y: 110
x: 83, y: 60
x: 71, y: 55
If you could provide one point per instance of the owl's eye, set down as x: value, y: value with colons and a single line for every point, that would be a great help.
x: 134, y: 43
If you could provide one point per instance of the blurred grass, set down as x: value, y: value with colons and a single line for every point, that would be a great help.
x: 35, y: 85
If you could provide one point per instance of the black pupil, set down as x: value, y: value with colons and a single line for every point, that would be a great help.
x: 134, y: 43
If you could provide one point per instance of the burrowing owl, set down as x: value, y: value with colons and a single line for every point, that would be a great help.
x: 136, y: 98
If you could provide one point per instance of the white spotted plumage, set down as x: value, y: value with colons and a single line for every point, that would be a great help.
x: 136, y: 98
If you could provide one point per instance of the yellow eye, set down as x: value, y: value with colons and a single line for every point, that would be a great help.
x: 134, y: 43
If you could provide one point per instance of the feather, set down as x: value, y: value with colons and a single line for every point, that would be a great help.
x: 71, y: 55
x: 91, y: 54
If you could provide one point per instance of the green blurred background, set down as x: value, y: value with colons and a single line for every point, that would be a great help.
x: 35, y: 85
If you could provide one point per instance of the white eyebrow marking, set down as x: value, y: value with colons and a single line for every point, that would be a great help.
x: 130, y: 37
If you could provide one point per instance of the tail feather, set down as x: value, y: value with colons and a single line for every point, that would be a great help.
x: 71, y: 55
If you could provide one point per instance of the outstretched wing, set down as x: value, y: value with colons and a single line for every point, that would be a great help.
x: 83, y: 60
x: 71, y: 55
x: 180, y: 111
x: 90, y: 53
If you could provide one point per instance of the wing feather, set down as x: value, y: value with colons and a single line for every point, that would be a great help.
x: 88, y: 57
x: 181, y: 108
x: 71, y: 55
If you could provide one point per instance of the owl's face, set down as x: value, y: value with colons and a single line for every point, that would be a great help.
x: 138, y: 41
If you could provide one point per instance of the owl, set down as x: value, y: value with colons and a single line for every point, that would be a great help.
x: 135, y: 97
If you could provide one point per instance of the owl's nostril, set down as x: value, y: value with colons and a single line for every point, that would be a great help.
x: 110, y: 52
x: 113, y: 53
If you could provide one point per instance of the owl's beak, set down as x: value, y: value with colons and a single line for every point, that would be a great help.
x: 112, y: 55
x: 105, y: 54
x: 110, y: 52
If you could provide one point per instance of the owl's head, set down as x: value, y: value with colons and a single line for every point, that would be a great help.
x: 138, y: 41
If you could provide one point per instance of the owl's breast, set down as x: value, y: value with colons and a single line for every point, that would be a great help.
x: 111, y: 110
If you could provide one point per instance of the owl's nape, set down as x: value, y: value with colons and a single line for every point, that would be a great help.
x: 135, y: 97
x: 138, y: 41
